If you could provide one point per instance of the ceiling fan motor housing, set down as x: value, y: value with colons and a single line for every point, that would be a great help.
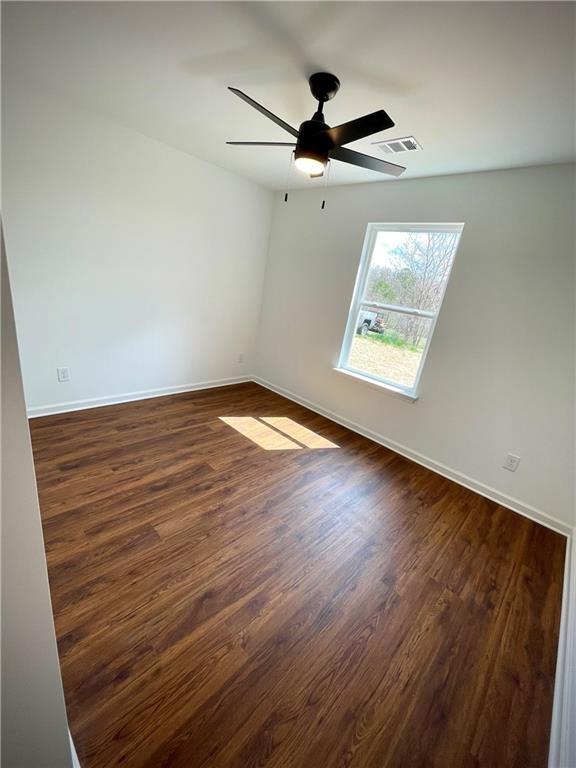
x: 313, y: 141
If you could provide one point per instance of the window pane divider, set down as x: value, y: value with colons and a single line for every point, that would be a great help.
x: 396, y: 308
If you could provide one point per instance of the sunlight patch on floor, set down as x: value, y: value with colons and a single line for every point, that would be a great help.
x: 298, y: 432
x: 260, y: 433
x: 277, y: 433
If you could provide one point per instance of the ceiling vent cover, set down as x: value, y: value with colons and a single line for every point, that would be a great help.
x: 393, y: 146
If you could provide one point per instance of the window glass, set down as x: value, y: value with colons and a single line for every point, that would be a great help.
x: 392, y: 349
x: 410, y: 269
x: 401, y: 283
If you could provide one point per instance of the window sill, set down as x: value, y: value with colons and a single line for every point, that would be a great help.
x: 378, y: 384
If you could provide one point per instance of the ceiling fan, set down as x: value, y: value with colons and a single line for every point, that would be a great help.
x: 316, y: 142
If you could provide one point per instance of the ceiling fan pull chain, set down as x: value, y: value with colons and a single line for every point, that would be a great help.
x: 326, y: 178
x: 288, y: 176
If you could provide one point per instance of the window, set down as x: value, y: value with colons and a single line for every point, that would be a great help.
x: 401, y: 281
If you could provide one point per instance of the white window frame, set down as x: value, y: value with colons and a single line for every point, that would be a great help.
x: 372, y: 232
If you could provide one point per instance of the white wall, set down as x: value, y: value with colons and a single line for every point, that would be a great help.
x: 499, y: 376
x: 141, y: 268
x: 34, y: 726
x: 136, y: 265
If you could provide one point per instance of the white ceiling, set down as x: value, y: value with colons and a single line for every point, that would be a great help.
x: 480, y: 85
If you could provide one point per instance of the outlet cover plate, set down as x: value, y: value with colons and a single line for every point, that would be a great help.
x: 511, y: 462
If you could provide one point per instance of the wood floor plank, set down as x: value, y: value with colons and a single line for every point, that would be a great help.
x: 220, y: 605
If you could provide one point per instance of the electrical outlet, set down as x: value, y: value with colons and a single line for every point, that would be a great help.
x: 511, y: 462
x: 241, y: 357
x: 63, y: 374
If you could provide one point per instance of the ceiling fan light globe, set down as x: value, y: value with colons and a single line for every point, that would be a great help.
x: 309, y: 165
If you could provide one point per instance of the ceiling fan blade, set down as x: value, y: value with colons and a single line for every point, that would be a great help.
x: 359, y: 128
x: 264, y: 111
x: 262, y: 143
x: 365, y: 161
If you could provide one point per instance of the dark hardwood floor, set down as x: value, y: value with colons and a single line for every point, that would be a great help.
x: 220, y: 604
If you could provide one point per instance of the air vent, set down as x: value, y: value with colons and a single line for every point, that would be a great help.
x: 393, y: 146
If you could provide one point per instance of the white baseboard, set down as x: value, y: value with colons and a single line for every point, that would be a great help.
x: 73, y: 755
x: 127, y: 397
x: 562, y: 752
x: 474, y: 485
